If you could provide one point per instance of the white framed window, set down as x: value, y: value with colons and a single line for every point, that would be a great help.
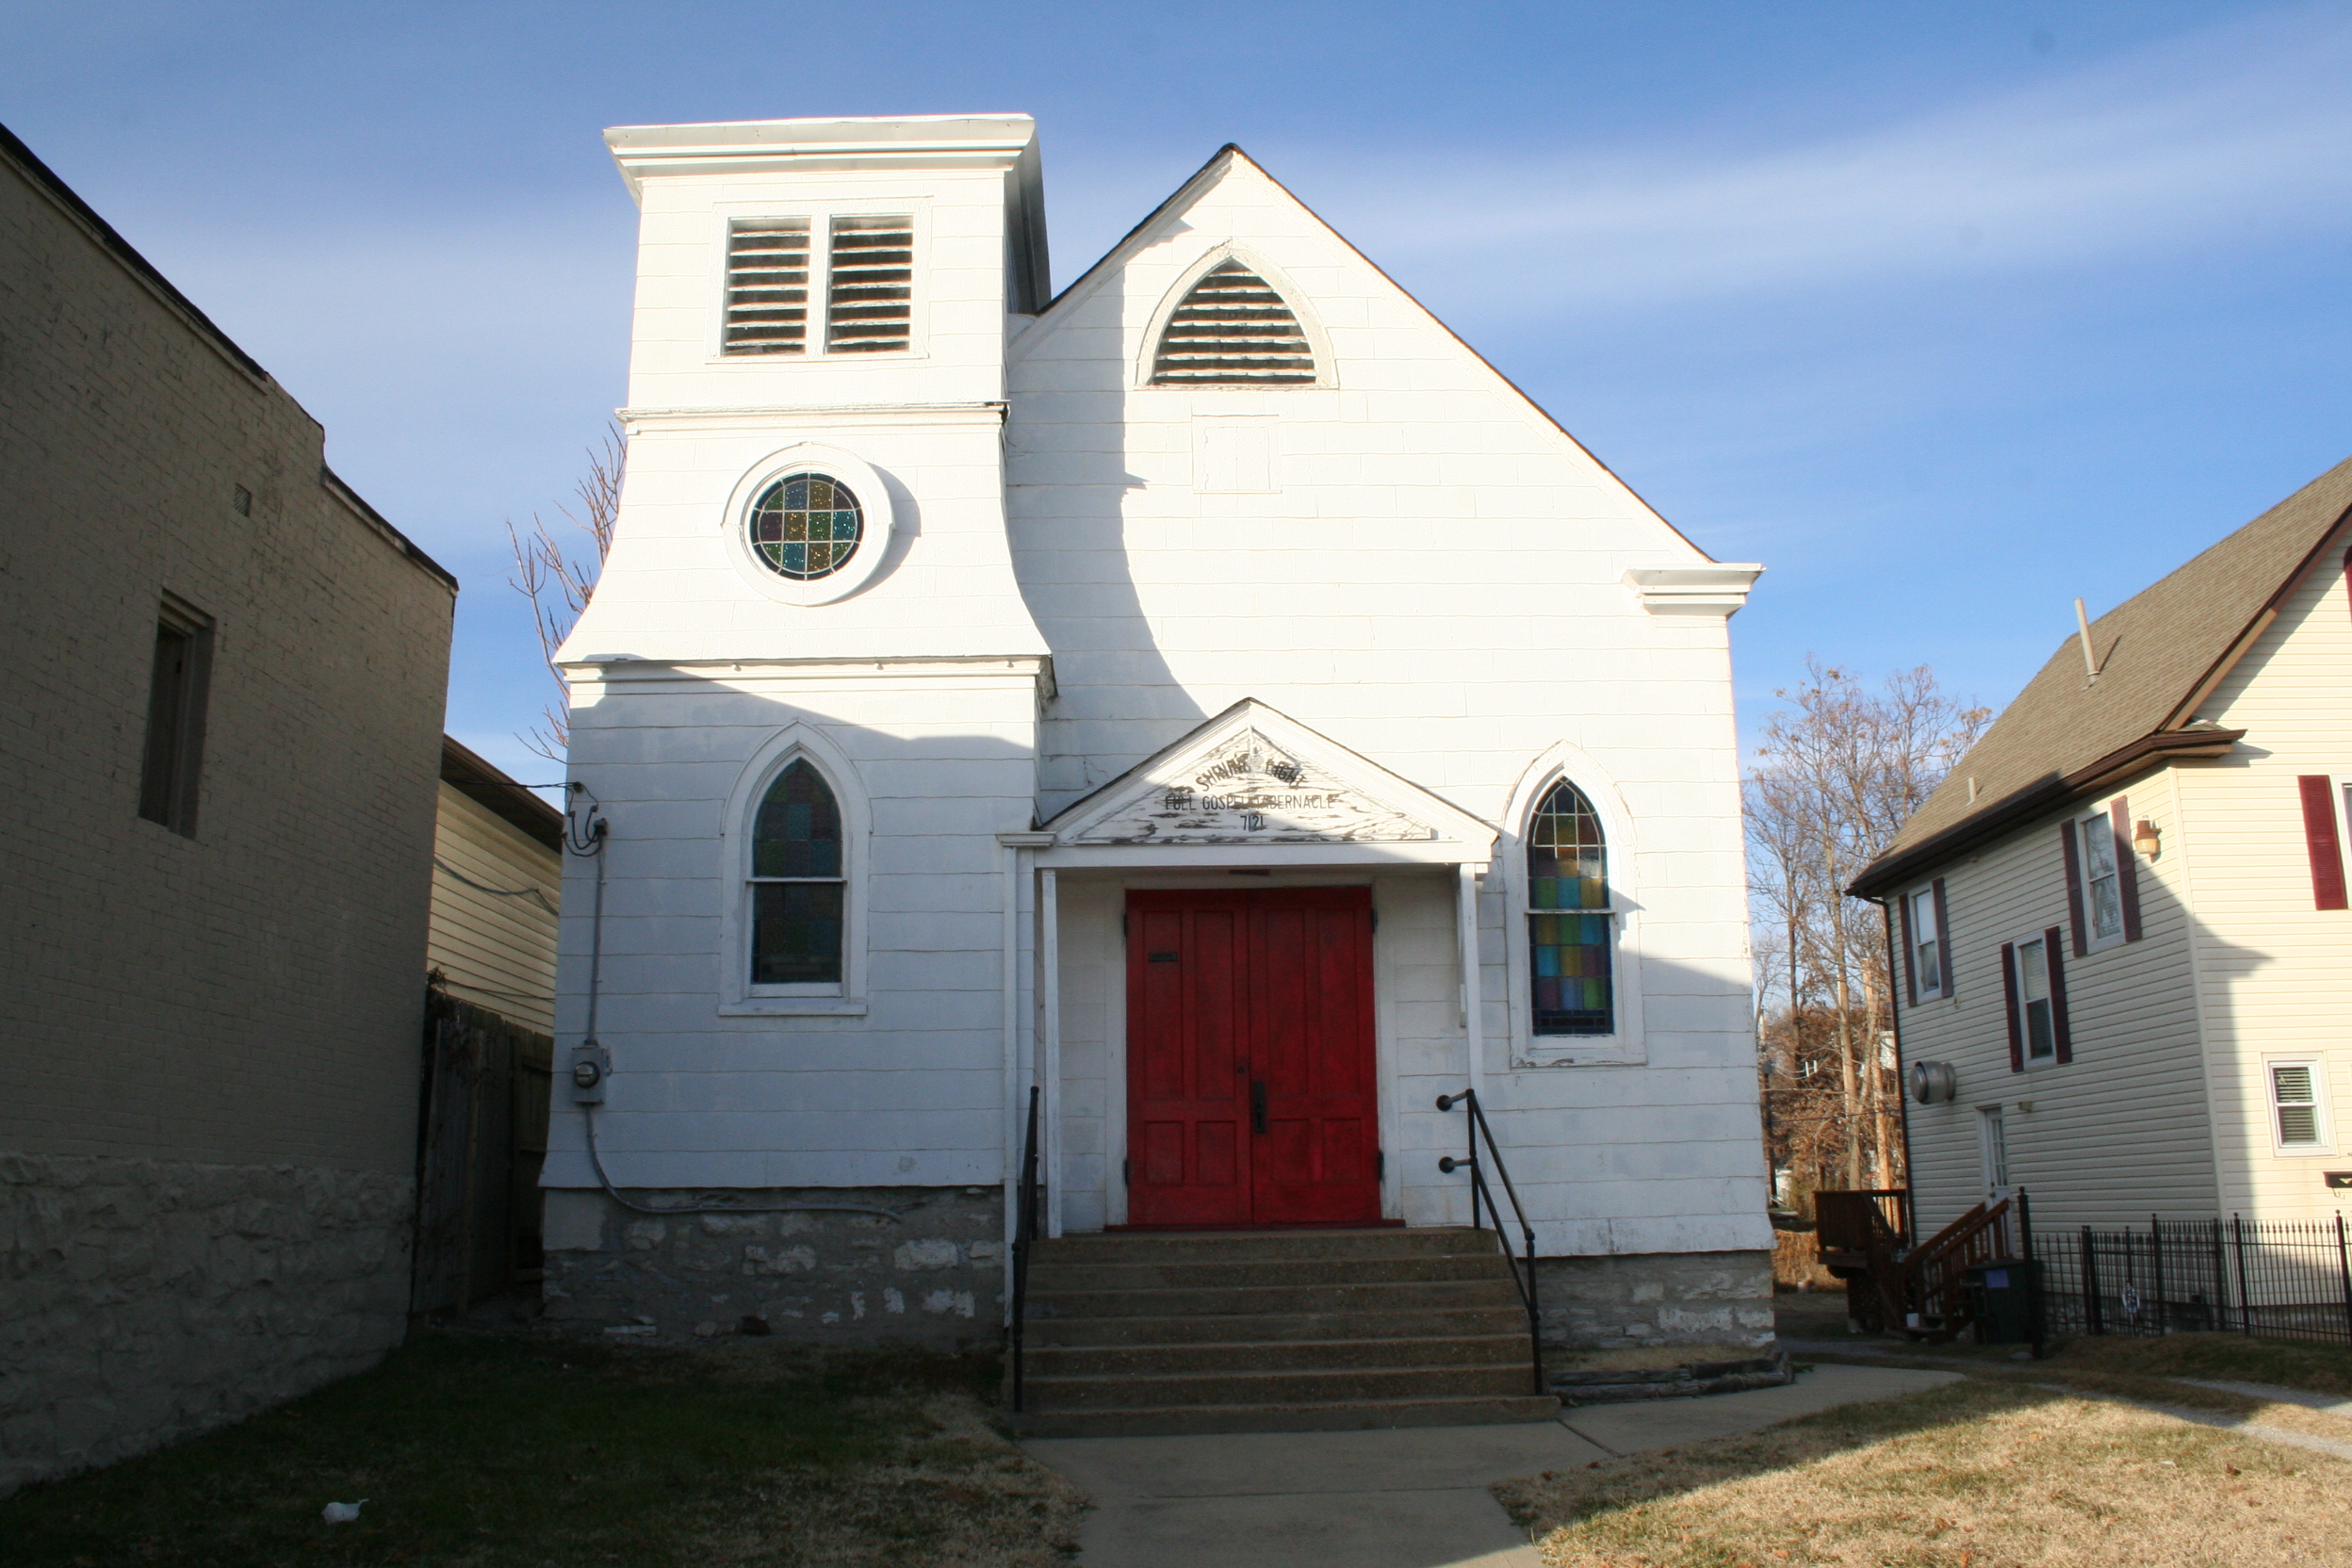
x: 1571, y: 918
x: 793, y: 939
x: 820, y: 286
x: 1572, y: 937
x: 810, y: 525
x: 1925, y: 931
x: 2297, y: 1090
x: 2102, y: 881
x: 2037, y: 1009
x: 1992, y: 1142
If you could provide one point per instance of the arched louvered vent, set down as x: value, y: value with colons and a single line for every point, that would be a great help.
x: 1232, y: 330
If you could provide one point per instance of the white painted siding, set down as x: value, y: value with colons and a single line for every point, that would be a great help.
x: 2276, y: 974
x: 496, y: 951
x: 910, y: 1090
x: 2119, y: 1132
x: 1436, y: 582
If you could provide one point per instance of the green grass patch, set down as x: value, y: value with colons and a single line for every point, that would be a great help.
x: 492, y: 1451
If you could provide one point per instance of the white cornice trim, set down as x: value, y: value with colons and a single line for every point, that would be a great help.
x: 982, y: 142
x: 610, y: 669
x: 1718, y: 588
x: 816, y: 414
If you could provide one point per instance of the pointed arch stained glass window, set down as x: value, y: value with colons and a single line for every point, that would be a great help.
x: 1569, y: 923
x: 796, y: 882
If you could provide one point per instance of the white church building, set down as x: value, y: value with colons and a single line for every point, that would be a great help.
x: 1212, y: 695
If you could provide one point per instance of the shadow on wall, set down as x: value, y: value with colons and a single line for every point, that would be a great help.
x: 1066, y: 513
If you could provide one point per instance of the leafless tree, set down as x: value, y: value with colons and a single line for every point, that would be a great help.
x: 1840, y: 770
x: 558, y: 575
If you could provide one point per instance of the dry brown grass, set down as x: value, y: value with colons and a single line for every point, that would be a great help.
x: 1981, y: 1474
x: 952, y: 1486
x: 526, y: 1451
x: 1796, y: 1260
x: 2232, y: 1358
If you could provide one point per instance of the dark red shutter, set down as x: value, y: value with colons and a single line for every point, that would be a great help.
x: 2127, y: 868
x: 2061, y: 1035
x: 2319, y: 839
x: 1910, y: 980
x: 2017, y: 1023
x: 1943, y: 939
x: 2074, y: 886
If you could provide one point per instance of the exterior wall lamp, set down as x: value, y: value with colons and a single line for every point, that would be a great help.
x: 2146, y: 838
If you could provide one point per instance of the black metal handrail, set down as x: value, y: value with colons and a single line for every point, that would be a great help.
x: 1482, y: 1193
x: 1024, y: 1236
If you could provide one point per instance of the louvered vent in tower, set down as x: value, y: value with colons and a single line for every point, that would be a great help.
x: 1232, y: 330
x: 869, y: 305
x: 767, y: 286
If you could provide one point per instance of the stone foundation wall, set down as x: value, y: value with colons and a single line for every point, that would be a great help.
x: 1656, y: 1298
x: 142, y: 1301
x: 933, y: 1277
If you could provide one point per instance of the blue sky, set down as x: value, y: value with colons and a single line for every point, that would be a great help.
x: 1946, y: 312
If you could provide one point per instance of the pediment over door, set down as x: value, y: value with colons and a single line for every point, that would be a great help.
x: 1252, y: 777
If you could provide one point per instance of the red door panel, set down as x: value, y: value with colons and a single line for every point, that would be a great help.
x: 1187, y: 1097
x: 1250, y: 1095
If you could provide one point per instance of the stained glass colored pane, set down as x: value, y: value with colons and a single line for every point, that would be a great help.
x: 798, y: 830
x: 1569, y: 952
x: 805, y: 525
x: 796, y: 933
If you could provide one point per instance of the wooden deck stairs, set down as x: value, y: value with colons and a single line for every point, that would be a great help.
x: 1917, y: 1290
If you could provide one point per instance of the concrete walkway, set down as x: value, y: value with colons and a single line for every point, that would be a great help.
x: 1411, y: 1498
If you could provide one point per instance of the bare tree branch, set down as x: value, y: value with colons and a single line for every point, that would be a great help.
x: 1840, y: 770
x: 559, y: 578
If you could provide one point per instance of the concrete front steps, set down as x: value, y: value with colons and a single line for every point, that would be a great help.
x: 1148, y: 1333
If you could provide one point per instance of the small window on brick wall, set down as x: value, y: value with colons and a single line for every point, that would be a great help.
x: 179, y: 677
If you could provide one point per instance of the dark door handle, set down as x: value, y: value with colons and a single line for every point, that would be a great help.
x: 1257, y: 1105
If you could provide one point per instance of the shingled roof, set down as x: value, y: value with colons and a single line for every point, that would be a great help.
x: 2161, y: 653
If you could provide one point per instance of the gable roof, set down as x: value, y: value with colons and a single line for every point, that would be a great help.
x: 1208, y: 175
x: 2161, y: 653
x: 1295, y: 785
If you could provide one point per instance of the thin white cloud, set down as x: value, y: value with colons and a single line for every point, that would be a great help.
x: 2223, y: 139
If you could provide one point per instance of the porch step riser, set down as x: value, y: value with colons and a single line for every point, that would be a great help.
x: 1047, y: 1279
x: 1360, y: 1416
x: 1239, y: 1328
x: 1252, y: 1246
x: 1399, y: 1296
x: 1282, y: 1388
x: 1298, y: 1356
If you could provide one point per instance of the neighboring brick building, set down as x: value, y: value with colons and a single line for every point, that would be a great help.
x: 220, y: 737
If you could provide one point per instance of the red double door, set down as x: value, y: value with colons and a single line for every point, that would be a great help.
x: 1249, y: 1070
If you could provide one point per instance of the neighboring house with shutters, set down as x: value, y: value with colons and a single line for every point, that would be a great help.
x: 1212, y: 695
x: 2122, y: 942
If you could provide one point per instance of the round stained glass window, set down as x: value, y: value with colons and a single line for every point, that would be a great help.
x: 805, y: 525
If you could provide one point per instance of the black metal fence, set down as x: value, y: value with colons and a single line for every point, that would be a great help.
x: 2277, y: 1278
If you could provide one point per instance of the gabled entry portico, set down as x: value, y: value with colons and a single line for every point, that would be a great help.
x: 1213, y: 1051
